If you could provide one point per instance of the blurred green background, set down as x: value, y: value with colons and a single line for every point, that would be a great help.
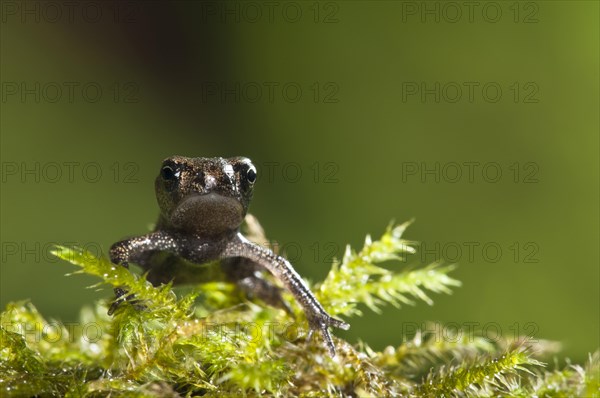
x: 356, y: 113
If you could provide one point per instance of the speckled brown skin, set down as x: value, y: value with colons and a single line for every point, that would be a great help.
x: 202, y: 203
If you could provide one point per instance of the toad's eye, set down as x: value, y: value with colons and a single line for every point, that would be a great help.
x: 168, y: 174
x: 251, y: 175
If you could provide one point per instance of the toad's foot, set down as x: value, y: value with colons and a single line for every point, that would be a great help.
x: 122, y: 297
x: 321, y: 322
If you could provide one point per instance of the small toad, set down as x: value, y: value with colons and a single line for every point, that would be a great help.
x: 203, y: 202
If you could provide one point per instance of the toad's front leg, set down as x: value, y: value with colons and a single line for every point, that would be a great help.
x: 133, y: 250
x: 318, y: 318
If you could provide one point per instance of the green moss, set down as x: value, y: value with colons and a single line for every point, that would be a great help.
x: 213, y: 342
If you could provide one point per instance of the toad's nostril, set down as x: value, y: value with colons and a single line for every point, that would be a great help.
x: 198, y: 181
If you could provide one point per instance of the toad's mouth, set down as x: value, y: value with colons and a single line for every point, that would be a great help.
x: 209, y: 213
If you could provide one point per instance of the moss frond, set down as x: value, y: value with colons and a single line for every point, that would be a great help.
x: 478, y: 376
x: 161, y: 298
x: 358, y: 279
x: 572, y: 381
x: 425, y: 351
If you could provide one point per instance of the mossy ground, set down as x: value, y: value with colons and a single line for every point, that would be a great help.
x: 213, y: 342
